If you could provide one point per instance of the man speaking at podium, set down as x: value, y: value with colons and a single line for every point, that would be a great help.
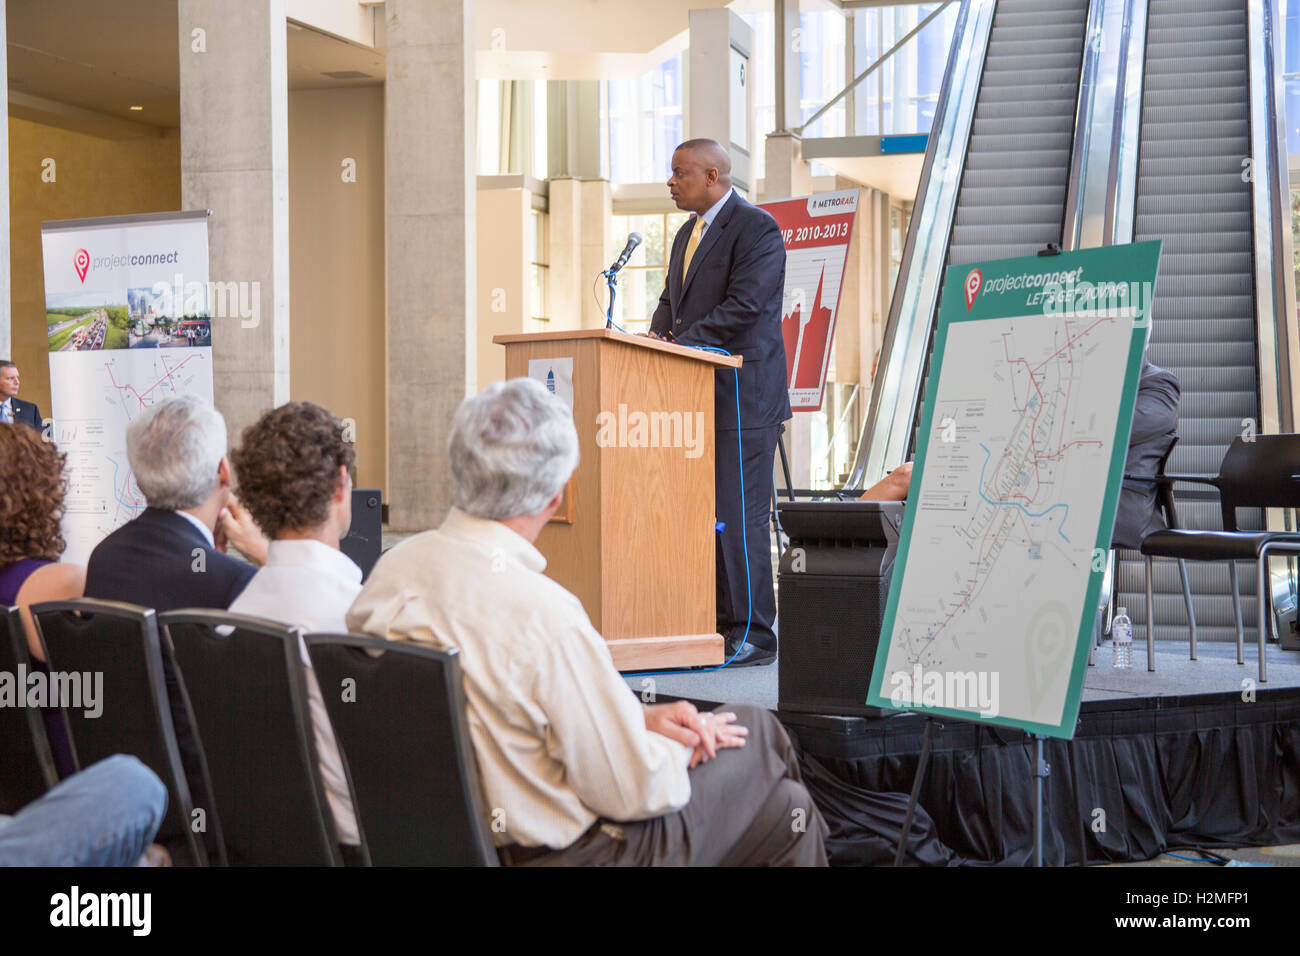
x: 725, y: 282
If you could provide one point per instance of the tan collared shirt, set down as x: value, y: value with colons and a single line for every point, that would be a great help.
x: 559, y: 738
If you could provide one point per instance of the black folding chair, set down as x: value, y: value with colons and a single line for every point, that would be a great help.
x: 248, y: 689
x: 1262, y: 472
x: 403, y: 723
x: 121, y: 642
x: 28, y: 765
x: 1164, y: 506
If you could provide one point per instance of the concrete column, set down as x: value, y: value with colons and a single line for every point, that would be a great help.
x: 787, y: 175
x: 596, y: 205
x: 786, y: 64
x: 721, y: 103
x: 6, y: 329
x: 235, y: 161
x: 430, y: 162
x: 564, y: 211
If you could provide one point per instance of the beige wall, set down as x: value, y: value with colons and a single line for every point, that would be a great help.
x: 92, y: 177
x: 503, y: 275
x: 337, y: 314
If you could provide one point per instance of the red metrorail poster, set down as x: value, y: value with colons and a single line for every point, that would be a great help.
x: 817, y: 230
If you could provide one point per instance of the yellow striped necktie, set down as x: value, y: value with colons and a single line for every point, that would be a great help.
x: 692, y: 244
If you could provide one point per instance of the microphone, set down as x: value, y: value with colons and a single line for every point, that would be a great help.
x: 633, y: 240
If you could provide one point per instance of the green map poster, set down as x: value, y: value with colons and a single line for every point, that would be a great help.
x: 1019, y: 463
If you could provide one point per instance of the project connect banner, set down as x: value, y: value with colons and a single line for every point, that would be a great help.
x: 128, y: 323
x: 817, y: 231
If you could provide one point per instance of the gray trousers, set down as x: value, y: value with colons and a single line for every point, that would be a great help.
x: 748, y: 807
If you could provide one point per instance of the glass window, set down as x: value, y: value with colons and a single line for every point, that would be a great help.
x: 641, y: 282
x: 644, y: 122
x: 900, y: 96
x: 539, y: 267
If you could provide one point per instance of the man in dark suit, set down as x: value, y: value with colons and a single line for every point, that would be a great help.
x: 725, y: 283
x: 1155, y: 423
x: 13, y: 411
x: 172, y: 555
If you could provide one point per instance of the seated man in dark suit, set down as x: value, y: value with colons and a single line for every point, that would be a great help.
x: 1155, y: 423
x: 174, y: 554
x: 13, y: 411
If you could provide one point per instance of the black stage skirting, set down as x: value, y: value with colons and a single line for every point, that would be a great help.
x: 1140, y: 777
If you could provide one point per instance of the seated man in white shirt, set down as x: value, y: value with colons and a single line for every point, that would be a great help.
x: 294, y: 474
x: 577, y: 769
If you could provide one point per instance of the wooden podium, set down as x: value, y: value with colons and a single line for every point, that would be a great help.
x: 634, y: 537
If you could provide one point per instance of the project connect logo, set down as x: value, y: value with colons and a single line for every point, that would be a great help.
x: 974, y: 279
x: 81, y: 262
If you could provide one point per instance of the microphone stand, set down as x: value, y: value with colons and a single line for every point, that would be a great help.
x: 611, y: 280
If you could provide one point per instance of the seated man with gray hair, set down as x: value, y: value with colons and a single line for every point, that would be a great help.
x: 172, y: 555
x: 577, y: 770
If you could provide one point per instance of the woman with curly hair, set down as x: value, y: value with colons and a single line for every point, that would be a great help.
x: 32, y: 484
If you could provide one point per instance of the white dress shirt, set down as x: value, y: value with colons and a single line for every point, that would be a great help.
x: 559, y: 738
x: 203, y: 530
x: 7, y: 411
x: 308, y: 584
x: 713, y: 211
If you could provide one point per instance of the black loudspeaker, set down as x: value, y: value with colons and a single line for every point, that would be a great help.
x: 833, y: 586
x: 364, y: 541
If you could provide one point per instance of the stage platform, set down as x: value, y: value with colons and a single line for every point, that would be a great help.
x: 1188, y: 756
x: 1216, y: 671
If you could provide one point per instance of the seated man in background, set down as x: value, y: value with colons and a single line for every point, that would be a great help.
x: 173, y: 554
x: 1155, y: 424
x: 294, y: 471
x: 584, y: 774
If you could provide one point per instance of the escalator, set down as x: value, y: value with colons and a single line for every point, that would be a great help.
x: 1191, y: 194
x: 1059, y: 126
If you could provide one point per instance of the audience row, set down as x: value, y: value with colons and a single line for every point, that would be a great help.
x: 576, y: 768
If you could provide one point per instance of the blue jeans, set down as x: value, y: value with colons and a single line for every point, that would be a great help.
x: 104, y: 816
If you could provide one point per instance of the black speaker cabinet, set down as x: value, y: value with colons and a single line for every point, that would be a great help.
x: 364, y: 543
x: 833, y: 584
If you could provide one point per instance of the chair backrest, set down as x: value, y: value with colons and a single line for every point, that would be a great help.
x: 121, y: 643
x: 401, y: 718
x: 26, y: 763
x: 247, y: 686
x: 1260, y: 472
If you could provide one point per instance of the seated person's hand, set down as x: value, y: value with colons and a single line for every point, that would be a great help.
x: 893, y: 487
x: 236, y: 526
x: 706, y: 733
x: 727, y: 733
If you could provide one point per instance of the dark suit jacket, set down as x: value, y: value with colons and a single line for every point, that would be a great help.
x: 732, y: 300
x: 26, y: 413
x: 153, y: 561
x: 1155, y: 423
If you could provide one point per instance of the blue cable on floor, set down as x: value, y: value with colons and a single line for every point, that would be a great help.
x: 744, y: 541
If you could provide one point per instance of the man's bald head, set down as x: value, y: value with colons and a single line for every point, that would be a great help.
x: 701, y: 175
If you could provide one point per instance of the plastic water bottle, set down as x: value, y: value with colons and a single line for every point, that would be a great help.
x: 1121, y: 630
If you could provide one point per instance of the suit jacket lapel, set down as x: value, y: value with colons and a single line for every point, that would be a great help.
x: 675, y: 264
x: 710, y: 238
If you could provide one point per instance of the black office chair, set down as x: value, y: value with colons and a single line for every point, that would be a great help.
x: 248, y: 689
x: 1263, y: 472
x: 28, y: 765
x: 405, y: 729
x: 121, y: 641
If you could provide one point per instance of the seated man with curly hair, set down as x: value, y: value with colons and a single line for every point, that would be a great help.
x: 294, y: 473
